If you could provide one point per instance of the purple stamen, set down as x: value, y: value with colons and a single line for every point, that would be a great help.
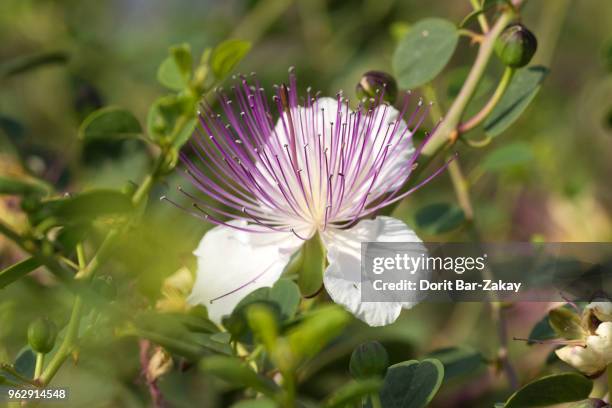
x: 318, y: 166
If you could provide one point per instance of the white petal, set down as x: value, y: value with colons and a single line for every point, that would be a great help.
x: 584, y: 359
x: 601, y: 310
x: 233, y: 263
x: 342, y: 278
x: 597, y: 354
x: 601, y: 343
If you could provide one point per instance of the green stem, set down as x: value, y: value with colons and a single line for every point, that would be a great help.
x: 482, y: 19
x: 495, y: 98
x: 446, y: 133
x: 376, y: 401
x: 461, y: 188
x: 72, y: 332
x: 67, y: 345
x: 40, y: 361
x: 143, y: 189
x: 435, y: 112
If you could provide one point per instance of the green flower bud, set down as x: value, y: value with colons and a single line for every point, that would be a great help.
x: 373, y: 83
x: 105, y: 287
x: 41, y: 335
x: 516, y: 45
x: 369, y: 360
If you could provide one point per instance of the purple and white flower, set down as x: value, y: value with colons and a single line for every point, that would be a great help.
x: 320, y: 169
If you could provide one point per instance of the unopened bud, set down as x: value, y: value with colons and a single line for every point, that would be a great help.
x: 41, y: 335
x: 369, y: 360
x: 374, y: 83
x: 516, y: 45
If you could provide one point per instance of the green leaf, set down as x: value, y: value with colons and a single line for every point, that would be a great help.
x: 566, y: 324
x: 263, y: 323
x: 177, y: 335
x: 352, y: 393
x: 17, y: 271
x: 256, y: 403
x: 311, y: 263
x: 521, y: 91
x: 110, y: 122
x: 24, y: 186
x: 25, y: 362
x: 234, y: 371
x: 175, y: 71
x: 171, y: 115
x: 411, y: 384
x: 85, y: 207
x: 541, y: 331
x: 424, y: 52
x: 226, y: 56
x: 26, y: 63
x: 508, y: 156
x: 439, y: 218
x: 550, y: 390
x: 458, y: 361
x: 316, y: 330
x: 185, y: 133
x: 284, y: 293
x: 282, y: 300
x: 169, y: 75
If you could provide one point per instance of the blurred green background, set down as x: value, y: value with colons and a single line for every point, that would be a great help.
x: 107, y: 53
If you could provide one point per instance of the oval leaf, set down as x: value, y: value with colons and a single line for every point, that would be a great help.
x: 459, y: 361
x: 284, y: 293
x: 25, y: 363
x: 424, y: 51
x: 85, y: 207
x: 352, y: 393
x: 508, y: 156
x: 226, y: 56
x: 521, y: 91
x: 111, y: 122
x: 550, y: 390
x: 439, y: 218
x: 411, y: 384
x: 175, y: 71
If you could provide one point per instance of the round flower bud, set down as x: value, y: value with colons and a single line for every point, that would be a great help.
x: 516, y: 45
x: 373, y: 83
x: 41, y: 335
x: 369, y: 360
